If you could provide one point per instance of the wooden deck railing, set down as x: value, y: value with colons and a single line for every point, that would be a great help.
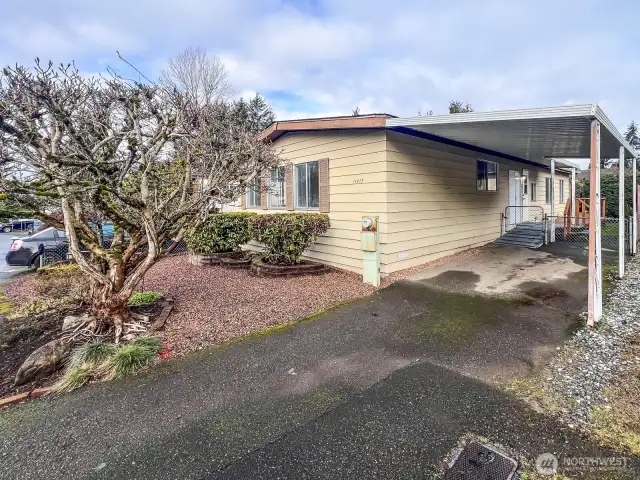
x: 580, y: 214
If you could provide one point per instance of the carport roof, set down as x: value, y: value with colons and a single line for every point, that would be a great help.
x: 535, y: 134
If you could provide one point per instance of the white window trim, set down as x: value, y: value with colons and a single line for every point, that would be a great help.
x: 295, y: 186
x: 533, y: 194
x: 497, y: 176
x: 561, y: 189
x: 284, y: 184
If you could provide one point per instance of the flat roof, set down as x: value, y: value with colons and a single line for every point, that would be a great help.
x: 535, y: 134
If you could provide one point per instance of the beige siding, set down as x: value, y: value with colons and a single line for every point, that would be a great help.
x: 354, y: 156
x: 424, y: 193
x: 434, y: 208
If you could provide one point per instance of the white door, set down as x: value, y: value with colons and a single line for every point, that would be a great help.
x: 515, y: 197
x: 525, y: 188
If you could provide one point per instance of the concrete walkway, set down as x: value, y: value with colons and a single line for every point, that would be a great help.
x: 381, y: 388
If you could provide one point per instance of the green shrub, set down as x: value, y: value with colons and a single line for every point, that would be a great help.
x: 220, y: 232
x: 75, y: 377
x: 131, y: 357
x: 152, y: 343
x: 286, y: 235
x: 94, y: 353
x: 138, y: 299
x: 99, y: 360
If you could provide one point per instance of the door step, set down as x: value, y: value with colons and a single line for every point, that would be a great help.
x: 527, y: 235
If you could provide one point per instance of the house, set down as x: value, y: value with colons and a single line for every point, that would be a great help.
x: 433, y: 196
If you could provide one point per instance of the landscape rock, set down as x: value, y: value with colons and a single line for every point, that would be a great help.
x: 592, y: 359
x: 43, y: 361
x: 71, y: 322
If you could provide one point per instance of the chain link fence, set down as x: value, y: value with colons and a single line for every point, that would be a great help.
x: 574, y: 231
x: 60, y: 252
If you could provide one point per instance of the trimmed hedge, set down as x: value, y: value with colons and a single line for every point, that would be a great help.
x: 220, y: 232
x: 287, y: 235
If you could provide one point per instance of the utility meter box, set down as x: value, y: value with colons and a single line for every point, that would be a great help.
x: 369, y: 234
x: 370, y: 253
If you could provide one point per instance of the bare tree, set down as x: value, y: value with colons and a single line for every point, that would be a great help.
x: 105, y: 148
x: 199, y: 75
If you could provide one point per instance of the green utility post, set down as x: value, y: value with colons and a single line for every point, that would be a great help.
x: 370, y: 252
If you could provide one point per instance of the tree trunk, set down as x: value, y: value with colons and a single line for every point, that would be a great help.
x: 109, y: 308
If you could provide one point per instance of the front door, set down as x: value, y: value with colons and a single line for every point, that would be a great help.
x: 515, y: 197
x: 525, y: 188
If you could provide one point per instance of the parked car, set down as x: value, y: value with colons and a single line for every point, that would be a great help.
x: 26, y: 251
x: 21, y: 224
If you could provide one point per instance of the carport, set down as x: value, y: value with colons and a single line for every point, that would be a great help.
x: 544, y: 137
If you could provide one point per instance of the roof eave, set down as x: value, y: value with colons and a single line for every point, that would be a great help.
x: 277, y: 129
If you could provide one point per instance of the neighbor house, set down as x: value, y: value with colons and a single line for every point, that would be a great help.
x: 434, y: 196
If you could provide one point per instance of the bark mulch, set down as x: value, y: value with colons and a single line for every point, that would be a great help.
x: 214, y: 304
x: 18, y: 339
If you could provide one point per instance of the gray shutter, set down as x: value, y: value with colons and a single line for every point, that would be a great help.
x: 323, y: 174
x: 288, y: 186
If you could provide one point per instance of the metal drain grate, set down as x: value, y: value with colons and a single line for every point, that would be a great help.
x: 480, y: 462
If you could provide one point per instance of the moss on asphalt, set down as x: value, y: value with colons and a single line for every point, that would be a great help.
x: 453, y: 319
x: 280, y: 328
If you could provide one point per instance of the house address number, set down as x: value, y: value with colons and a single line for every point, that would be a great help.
x: 358, y: 180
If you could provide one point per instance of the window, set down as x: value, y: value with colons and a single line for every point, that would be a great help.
x: 547, y: 190
x: 276, y: 188
x: 533, y: 191
x: 561, y: 191
x: 307, y: 185
x: 487, y: 177
x: 253, y: 195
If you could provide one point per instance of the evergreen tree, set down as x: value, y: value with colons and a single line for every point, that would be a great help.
x: 259, y: 114
x: 255, y: 114
x: 240, y: 111
x: 633, y: 137
x: 456, y: 106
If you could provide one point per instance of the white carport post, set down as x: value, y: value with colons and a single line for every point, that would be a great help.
x: 621, y: 217
x: 572, y: 210
x: 595, y: 250
x: 634, y: 220
x: 552, y: 237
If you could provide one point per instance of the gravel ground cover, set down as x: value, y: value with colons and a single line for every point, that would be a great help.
x: 214, y: 304
x: 594, y: 360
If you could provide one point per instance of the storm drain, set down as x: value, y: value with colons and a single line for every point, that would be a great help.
x: 481, y: 462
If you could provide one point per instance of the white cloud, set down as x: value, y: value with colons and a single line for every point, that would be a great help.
x: 331, y: 55
x: 101, y: 37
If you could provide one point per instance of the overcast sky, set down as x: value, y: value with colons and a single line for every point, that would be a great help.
x: 324, y: 57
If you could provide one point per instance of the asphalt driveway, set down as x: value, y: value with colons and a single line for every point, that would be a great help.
x: 381, y: 388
